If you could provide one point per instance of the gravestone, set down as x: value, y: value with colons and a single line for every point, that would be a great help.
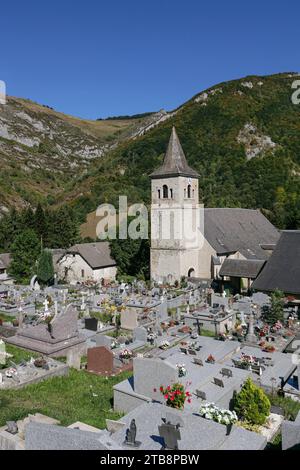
x: 100, y: 360
x: 140, y: 334
x: 163, y: 310
x: 129, y: 319
x: 103, y: 340
x: 91, y: 324
x: 74, y: 359
x: 150, y: 374
x: 2, y: 352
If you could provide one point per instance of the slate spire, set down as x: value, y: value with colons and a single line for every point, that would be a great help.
x: 174, y: 163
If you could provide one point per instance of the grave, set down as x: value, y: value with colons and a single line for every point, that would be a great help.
x: 31, y: 372
x: 74, y: 358
x: 100, y: 360
x: 53, y: 339
x: 129, y: 319
x: 140, y: 334
x: 291, y: 434
x: 41, y: 436
x: 197, y: 433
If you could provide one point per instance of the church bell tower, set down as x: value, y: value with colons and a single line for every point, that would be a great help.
x: 175, y: 213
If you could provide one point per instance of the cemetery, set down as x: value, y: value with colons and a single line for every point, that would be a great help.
x: 123, y: 343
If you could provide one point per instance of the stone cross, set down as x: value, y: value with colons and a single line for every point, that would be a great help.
x: 83, y: 301
x: 20, y: 317
x: 46, y: 303
x: 170, y: 434
x: 251, y: 338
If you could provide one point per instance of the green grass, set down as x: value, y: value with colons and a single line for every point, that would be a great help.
x: 207, y: 333
x: 116, y: 333
x: 290, y: 407
x: 68, y: 399
x: 19, y: 354
x: 275, y: 444
x: 7, y: 318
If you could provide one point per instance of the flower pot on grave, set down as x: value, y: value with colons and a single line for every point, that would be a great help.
x: 40, y: 362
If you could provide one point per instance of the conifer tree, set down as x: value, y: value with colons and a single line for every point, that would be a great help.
x: 45, y: 269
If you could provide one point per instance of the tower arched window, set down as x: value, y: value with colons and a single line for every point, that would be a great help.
x: 171, y: 193
x: 189, y: 191
x: 158, y: 193
x: 184, y: 193
x: 165, y: 191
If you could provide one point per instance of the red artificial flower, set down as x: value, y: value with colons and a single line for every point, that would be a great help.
x: 166, y: 396
x: 189, y: 400
x: 161, y: 388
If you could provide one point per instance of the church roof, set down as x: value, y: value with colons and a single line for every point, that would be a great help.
x: 174, y: 163
x: 282, y: 270
x: 248, y: 268
x: 229, y: 230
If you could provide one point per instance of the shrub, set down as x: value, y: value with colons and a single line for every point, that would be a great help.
x: 251, y: 404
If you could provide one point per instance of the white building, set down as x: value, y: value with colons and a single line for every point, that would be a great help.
x: 87, y: 262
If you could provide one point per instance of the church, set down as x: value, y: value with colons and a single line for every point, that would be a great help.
x: 188, y: 240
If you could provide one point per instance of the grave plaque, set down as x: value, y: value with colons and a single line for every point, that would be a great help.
x: 100, y: 360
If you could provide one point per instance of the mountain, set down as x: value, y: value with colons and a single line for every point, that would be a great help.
x: 242, y: 136
x: 42, y: 150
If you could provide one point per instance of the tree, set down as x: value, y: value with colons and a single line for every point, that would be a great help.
x: 40, y: 223
x: 24, y: 251
x: 45, y: 269
x: 251, y: 404
x: 275, y: 312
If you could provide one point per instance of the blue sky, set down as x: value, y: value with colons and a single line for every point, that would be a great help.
x: 94, y: 58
